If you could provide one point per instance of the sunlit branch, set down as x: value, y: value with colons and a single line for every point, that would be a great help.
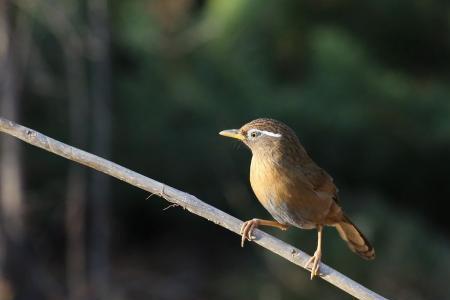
x: 185, y: 200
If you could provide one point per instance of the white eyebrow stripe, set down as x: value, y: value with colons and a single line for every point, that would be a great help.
x: 269, y: 133
x: 277, y: 135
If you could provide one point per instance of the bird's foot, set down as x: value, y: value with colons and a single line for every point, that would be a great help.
x: 315, y: 260
x: 247, y: 229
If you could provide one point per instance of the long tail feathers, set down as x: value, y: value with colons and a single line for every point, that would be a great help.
x: 356, y: 241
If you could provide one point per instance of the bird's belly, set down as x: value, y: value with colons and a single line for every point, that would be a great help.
x: 289, y: 202
x: 281, y: 212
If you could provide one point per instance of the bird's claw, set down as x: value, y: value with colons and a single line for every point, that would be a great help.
x: 315, y: 260
x: 247, y: 229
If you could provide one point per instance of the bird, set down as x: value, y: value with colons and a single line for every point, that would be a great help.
x: 293, y: 188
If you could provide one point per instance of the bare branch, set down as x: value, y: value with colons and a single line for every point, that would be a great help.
x: 185, y: 200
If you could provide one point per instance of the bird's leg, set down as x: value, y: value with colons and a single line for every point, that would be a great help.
x: 315, y: 259
x: 248, y: 226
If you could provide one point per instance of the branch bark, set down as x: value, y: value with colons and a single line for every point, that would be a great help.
x: 185, y: 200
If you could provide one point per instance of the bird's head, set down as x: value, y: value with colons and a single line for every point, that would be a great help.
x: 264, y: 135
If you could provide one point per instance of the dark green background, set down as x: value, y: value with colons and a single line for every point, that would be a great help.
x: 363, y: 83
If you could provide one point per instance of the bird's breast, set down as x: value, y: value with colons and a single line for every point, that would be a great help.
x: 288, y: 198
x: 262, y: 180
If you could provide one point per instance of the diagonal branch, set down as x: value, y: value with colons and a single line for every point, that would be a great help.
x: 185, y: 200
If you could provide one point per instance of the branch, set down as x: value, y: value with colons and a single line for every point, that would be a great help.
x: 185, y: 200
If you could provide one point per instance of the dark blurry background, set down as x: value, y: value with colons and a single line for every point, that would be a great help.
x: 150, y: 83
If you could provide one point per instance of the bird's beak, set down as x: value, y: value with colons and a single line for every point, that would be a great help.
x: 232, y: 133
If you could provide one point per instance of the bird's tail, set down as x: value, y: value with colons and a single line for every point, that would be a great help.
x: 356, y: 241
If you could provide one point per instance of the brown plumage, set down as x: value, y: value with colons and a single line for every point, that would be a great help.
x: 294, y: 189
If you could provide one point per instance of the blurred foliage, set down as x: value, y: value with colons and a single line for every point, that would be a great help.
x: 363, y: 83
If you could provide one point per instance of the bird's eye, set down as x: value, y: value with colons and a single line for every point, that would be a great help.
x: 254, y: 133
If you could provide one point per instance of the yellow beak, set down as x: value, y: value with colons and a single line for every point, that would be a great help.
x: 232, y: 133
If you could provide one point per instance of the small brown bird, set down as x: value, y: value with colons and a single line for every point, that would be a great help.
x: 294, y: 189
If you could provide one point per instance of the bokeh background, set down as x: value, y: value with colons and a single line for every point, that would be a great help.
x: 149, y: 83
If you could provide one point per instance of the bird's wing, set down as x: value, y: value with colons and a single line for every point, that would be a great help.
x: 311, y: 194
x: 320, y: 180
